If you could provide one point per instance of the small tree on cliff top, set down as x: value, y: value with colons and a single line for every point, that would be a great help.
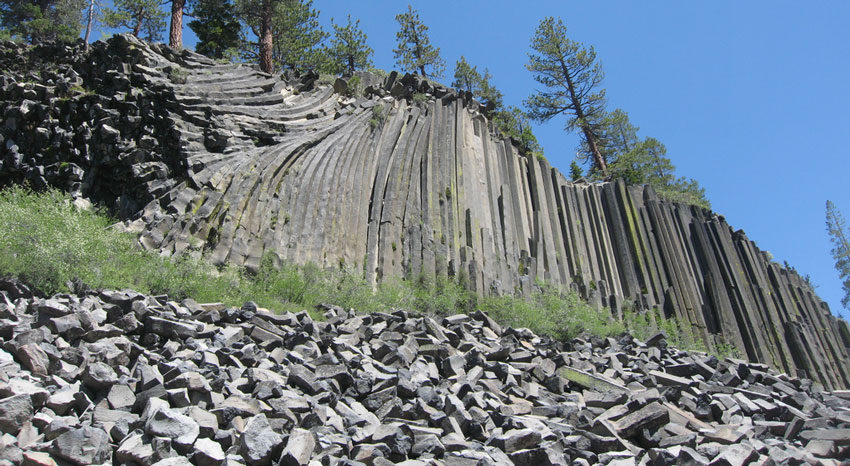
x: 348, y: 51
x: 415, y: 52
x: 571, y: 77
x: 840, y: 237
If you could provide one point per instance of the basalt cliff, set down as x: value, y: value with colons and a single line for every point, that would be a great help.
x: 399, y: 177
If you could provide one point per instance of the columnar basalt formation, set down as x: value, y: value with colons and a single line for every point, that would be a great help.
x: 402, y: 178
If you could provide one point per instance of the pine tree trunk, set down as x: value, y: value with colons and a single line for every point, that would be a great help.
x: 137, y: 28
x: 90, y: 21
x: 598, y: 160
x: 351, y: 65
x: 175, y: 38
x: 589, y: 137
x: 266, y: 42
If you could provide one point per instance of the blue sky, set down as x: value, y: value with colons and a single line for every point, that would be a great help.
x: 750, y: 98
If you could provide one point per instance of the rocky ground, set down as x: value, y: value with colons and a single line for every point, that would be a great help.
x: 117, y: 377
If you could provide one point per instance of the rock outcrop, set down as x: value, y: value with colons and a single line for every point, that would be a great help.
x: 402, y: 178
x: 136, y: 379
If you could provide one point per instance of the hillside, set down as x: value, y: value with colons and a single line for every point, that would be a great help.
x: 402, y: 178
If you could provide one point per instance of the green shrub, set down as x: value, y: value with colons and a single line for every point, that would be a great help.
x: 420, y: 98
x: 177, y: 75
x: 354, y: 87
x: 561, y: 315
x: 379, y: 115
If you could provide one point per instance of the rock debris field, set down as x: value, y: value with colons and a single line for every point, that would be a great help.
x: 117, y: 377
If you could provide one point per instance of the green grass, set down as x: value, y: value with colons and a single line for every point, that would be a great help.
x: 47, y: 242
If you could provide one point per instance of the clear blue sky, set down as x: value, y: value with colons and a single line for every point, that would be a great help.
x: 751, y: 98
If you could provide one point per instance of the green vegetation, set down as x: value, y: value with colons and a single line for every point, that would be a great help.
x: 840, y: 237
x: 379, y: 115
x: 217, y: 29
x: 560, y: 315
x: 348, y: 51
x: 643, y: 161
x: 48, y: 243
x: 415, y: 52
x: 41, y: 21
x: 288, y: 35
x: 571, y: 79
x: 420, y: 97
x: 139, y: 16
x: 513, y: 123
x: 354, y: 87
x: 177, y: 75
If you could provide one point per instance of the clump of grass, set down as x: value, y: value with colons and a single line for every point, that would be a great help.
x: 561, y: 315
x: 679, y: 334
x: 354, y: 87
x: 420, y: 98
x: 379, y: 115
x: 177, y: 75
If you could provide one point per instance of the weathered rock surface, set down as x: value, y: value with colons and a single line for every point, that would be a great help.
x: 200, y: 156
x: 339, y: 392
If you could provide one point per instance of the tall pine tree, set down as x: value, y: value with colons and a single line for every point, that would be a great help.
x: 571, y: 77
x: 348, y: 51
x: 415, y: 52
x: 217, y: 28
x: 840, y: 237
x: 289, y: 34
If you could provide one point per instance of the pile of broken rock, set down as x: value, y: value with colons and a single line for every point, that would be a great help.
x: 118, y: 377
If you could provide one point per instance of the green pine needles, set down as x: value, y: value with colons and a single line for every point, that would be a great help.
x: 836, y: 227
x: 415, y: 52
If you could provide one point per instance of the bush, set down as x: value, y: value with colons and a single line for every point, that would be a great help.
x: 379, y: 115
x: 561, y: 315
x: 420, y: 98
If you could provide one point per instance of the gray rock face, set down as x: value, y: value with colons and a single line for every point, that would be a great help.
x: 83, y: 446
x: 259, y: 444
x: 177, y: 140
x: 13, y: 412
x: 181, y: 429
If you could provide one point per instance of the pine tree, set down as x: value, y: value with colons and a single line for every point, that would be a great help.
x: 513, y: 123
x: 37, y: 21
x: 289, y: 34
x: 571, y: 77
x: 642, y: 161
x: 217, y: 28
x: 140, y: 16
x: 175, y: 32
x: 576, y: 173
x: 348, y: 51
x: 415, y: 52
x: 840, y: 237
x: 467, y: 78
